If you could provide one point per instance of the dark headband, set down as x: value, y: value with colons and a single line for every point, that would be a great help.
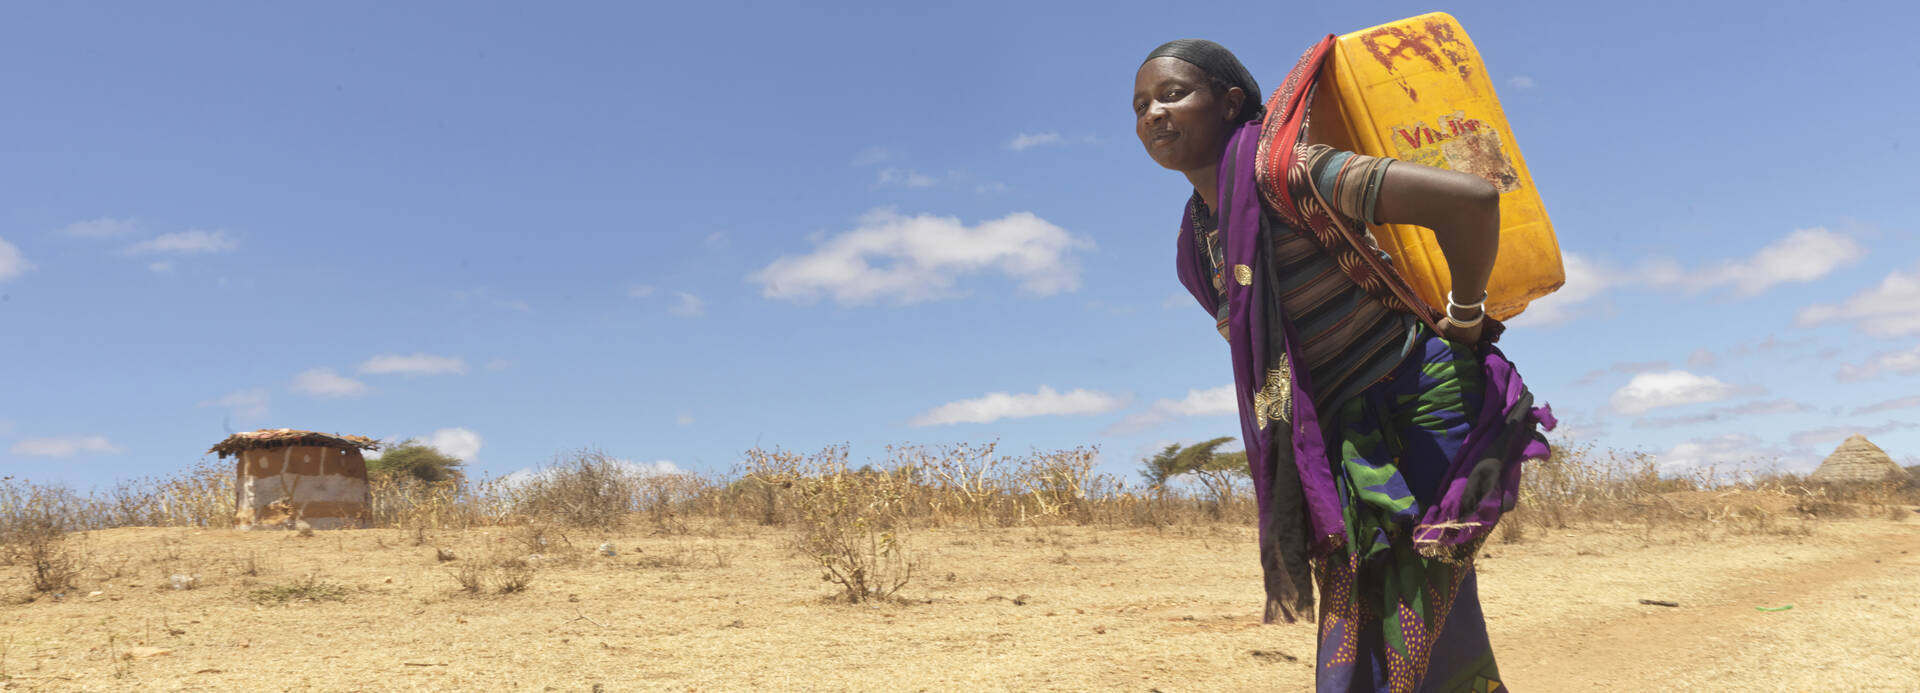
x: 1219, y: 64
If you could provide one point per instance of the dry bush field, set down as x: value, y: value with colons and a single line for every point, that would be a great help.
x: 943, y: 569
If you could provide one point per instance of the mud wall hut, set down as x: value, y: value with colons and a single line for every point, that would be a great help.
x: 285, y: 479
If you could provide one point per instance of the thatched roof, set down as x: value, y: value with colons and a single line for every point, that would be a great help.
x: 1858, y: 460
x: 287, y: 437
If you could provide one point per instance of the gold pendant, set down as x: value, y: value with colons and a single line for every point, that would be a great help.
x: 1274, y: 401
x: 1243, y: 274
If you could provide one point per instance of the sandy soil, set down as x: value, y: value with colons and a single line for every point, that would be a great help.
x: 1019, y: 609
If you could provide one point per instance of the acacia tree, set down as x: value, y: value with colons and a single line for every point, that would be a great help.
x: 413, y: 458
x: 1219, y: 473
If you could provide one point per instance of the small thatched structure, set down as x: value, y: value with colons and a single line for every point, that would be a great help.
x: 1857, y: 459
x: 285, y: 478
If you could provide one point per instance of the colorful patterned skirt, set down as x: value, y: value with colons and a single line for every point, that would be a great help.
x: 1391, y: 619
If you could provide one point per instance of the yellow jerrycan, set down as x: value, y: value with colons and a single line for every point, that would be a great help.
x: 1416, y: 90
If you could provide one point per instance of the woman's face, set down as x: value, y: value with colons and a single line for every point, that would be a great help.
x: 1181, y: 119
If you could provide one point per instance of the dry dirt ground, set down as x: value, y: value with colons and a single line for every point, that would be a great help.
x: 1008, y: 609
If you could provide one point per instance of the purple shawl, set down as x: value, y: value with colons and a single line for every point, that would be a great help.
x: 1292, y: 475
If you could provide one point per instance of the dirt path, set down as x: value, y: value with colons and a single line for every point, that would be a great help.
x: 1853, y: 625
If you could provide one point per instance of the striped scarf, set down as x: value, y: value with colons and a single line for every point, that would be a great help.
x: 1287, y: 188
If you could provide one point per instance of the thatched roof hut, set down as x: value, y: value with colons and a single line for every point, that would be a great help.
x: 285, y: 478
x: 267, y: 438
x: 1857, y: 459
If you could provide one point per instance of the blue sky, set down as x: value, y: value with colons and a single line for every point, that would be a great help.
x: 675, y: 233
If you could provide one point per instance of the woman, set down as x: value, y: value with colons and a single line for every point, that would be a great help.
x: 1384, y: 438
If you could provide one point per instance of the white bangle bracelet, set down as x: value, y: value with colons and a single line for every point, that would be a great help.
x: 1479, y: 305
x: 1451, y: 303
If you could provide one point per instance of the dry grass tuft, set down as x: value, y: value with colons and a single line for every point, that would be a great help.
x: 311, y: 589
x: 503, y: 573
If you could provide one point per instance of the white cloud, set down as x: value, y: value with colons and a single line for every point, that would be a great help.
x: 1024, y: 141
x: 482, y: 294
x: 185, y: 243
x: 1833, y: 433
x: 245, y: 404
x: 1632, y: 367
x: 1899, y: 362
x: 64, y: 446
x: 1648, y: 391
x: 654, y: 468
x: 1889, y: 405
x: 912, y: 259
x: 458, y: 442
x: 1001, y: 405
x: 1802, y: 256
x: 906, y: 177
x: 498, y: 365
x: 323, y: 382
x: 640, y: 469
x: 1585, y: 280
x: 416, y: 364
x: 1702, y: 359
x: 992, y: 186
x: 1520, y: 82
x: 1891, y: 309
x: 1776, y: 406
x: 161, y: 267
x: 99, y: 228
x: 687, y: 305
x: 1729, y: 450
x: 718, y: 240
x: 871, y: 156
x: 1214, y: 401
x: 12, y: 262
x: 1573, y: 429
x: 1769, y: 344
x: 683, y: 420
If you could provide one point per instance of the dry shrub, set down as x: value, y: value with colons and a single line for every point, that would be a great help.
x: 1512, y: 529
x: 1060, y: 483
x: 768, y: 480
x: 501, y: 573
x: 852, y: 523
x: 668, y: 499
x: 1577, y: 485
x: 405, y: 502
x: 587, y: 489
x: 959, y: 484
x: 200, y: 496
x: 468, y: 575
x: 962, y: 482
x: 56, y: 560
x: 35, y: 526
x: 683, y: 553
x: 250, y: 564
x: 1816, y: 501
x: 512, y: 575
x: 542, y: 539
